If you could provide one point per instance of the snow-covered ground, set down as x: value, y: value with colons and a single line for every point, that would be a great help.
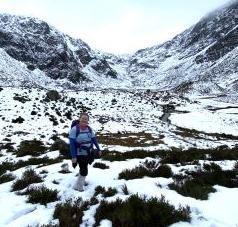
x: 116, y: 112
x: 209, y: 116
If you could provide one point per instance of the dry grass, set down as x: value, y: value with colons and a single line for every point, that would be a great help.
x: 192, y: 133
x: 129, y: 139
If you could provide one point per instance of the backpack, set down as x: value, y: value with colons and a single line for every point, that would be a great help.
x: 75, y: 123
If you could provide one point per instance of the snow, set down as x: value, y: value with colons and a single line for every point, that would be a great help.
x: 208, y: 122
x: 214, y: 121
x: 123, y: 108
x: 132, y: 112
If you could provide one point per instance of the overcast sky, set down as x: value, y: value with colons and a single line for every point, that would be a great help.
x: 116, y: 26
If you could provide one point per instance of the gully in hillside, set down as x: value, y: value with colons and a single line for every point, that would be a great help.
x: 82, y: 139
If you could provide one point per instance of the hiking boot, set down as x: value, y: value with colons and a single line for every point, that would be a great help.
x: 79, y: 186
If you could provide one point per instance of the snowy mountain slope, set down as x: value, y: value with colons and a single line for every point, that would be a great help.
x: 205, y: 52
x: 200, y: 60
x: 15, y: 73
x: 39, y: 45
x: 220, y: 78
x: 10, y: 67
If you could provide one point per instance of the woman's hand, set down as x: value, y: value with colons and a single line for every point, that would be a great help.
x: 74, y: 162
x: 99, y: 153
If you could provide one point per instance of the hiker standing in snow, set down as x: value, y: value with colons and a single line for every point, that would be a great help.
x: 82, y: 139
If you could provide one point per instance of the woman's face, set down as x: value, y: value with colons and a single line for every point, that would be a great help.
x: 84, y: 120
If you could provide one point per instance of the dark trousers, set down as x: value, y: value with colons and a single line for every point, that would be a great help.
x: 83, y: 165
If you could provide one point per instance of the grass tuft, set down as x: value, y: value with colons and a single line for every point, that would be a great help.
x: 93, y: 201
x: 105, y: 193
x: 191, y: 188
x: 6, y: 178
x: 100, y: 165
x: 136, y: 211
x: 7, y: 146
x: 28, y: 177
x: 199, y: 184
x: 41, y: 195
x: 110, y: 192
x: 62, y: 146
x: 150, y: 169
x: 99, y: 190
x: 70, y: 213
x: 125, y: 189
x: 31, y: 147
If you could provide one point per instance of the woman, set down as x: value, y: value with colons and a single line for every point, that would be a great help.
x: 82, y: 139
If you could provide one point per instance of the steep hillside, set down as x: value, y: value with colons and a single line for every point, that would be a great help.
x: 15, y: 73
x: 41, y: 46
x: 203, y: 59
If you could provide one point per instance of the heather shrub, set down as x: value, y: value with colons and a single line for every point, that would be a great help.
x: 31, y: 147
x: 137, y: 211
x: 41, y: 195
x: 141, y: 171
x: 28, y: 177
x: 70, y: 213
x: 100, y: 165
x: 200, y: 183
x: 6, y: 178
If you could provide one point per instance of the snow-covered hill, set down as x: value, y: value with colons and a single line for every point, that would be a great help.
x: 15, y: 73
x: 201, y: 60
x: 41, y: 46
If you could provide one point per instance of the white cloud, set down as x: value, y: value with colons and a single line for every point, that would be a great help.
x: 24, y: 8
x: 117, y: 26
x: 133, y: 30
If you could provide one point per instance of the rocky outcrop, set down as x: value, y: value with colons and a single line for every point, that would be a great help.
x: 53, y: 95
x: 41, y: 46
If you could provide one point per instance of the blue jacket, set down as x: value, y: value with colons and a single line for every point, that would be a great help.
x: 74, y: 141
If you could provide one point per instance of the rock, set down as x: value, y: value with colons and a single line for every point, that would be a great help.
x: 53, y: 95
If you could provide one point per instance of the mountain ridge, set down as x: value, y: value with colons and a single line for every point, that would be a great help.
x: 196, y: 61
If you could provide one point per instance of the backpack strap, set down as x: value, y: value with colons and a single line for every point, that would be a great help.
x: 89, y: 129
x: 77, y: 130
